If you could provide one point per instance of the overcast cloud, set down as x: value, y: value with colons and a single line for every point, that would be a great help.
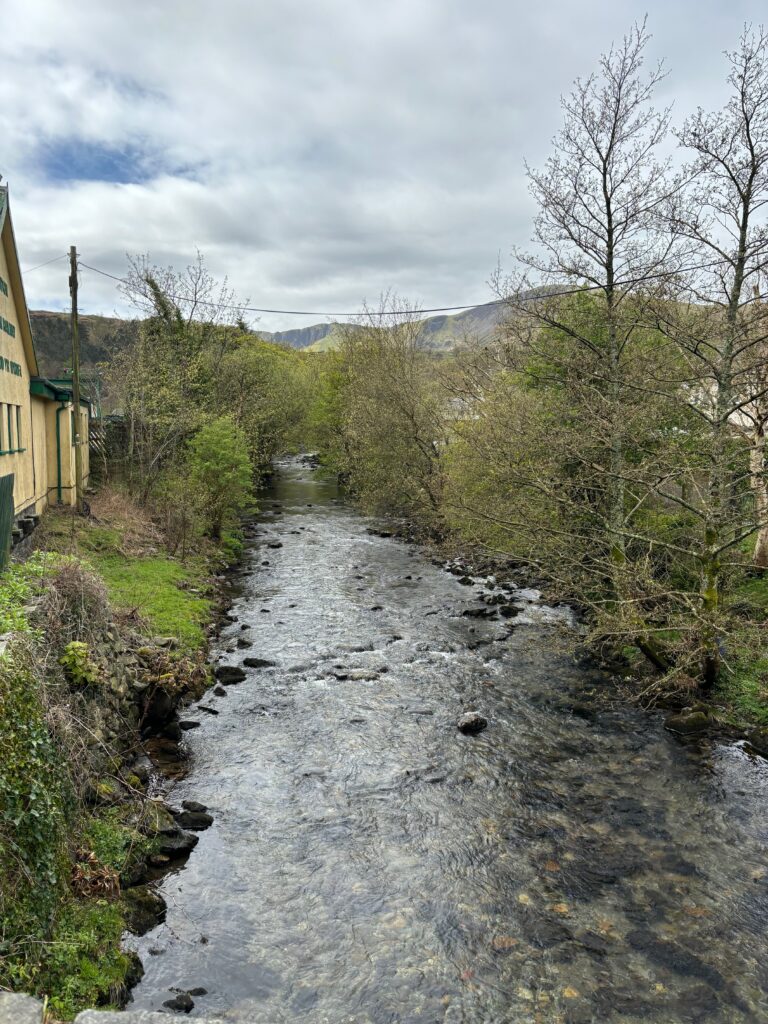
x: 316, y: 151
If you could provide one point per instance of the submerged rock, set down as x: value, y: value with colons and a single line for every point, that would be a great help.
x: 258, y: 663
x: 674, y: 957
x: 229, y: 674
x: 472, y: 723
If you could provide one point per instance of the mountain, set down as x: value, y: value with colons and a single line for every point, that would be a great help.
x: 444, y: 331
x: 100, y: 336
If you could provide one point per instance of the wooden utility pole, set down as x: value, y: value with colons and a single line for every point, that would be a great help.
x: 76, y: 379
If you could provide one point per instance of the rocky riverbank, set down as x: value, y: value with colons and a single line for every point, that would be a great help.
x: 93, y: 737
x: 505, y: 590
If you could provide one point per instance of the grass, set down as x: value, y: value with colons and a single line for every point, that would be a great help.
x: 123, y: 547
x: 18, y: 585
x: 155, y: 588
x: 84, y: 965
x: 753, y: 593
x: 745, y: 689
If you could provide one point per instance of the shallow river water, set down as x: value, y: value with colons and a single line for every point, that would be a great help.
x: 368, y: 863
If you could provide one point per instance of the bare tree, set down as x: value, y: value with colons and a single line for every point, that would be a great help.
x: 194, y: 292
x: 600, y: 198
x: 719, y: 326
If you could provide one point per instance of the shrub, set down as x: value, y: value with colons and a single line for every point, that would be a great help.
x: 77, y: 664
x: 220, y: 472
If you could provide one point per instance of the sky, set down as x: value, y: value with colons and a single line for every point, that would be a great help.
x: 317, y: 152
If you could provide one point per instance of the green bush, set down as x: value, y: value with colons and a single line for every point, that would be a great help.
x: 220, y: 472
x: 83, y: 963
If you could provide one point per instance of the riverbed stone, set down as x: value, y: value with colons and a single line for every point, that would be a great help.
x: 250, y: 662
x: 178, y: 843
x: 229, y: 674
x: 472, y: 723
x: 674, y: 958
x: 193, y: 805
x: 689, y: 723
x: 181, y: 1003
x: 194, y: 820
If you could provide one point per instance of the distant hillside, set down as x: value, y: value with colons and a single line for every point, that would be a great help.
x: 439, y: 332
x: 99, y: 337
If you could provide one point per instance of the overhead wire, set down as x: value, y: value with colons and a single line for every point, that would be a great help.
x: 557, y: 292
x: 47, y: 263
x: 287, y: 312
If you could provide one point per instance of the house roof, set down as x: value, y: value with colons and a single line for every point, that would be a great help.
x: 14, y: 272
x: 42, y: 387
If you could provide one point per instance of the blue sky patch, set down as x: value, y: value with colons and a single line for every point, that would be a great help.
x: 74, y: 159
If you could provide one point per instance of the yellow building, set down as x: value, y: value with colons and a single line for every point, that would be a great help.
x: 37, y: 416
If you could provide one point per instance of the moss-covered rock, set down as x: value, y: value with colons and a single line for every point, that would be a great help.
x: 144, y: 909
x: 690, y: 723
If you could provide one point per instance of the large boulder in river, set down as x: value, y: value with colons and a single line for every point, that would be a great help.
x: 472, y: 723
x: 229, y: 674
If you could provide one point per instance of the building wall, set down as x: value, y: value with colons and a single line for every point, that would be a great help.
x: 14, y: 394
x: 28, y: 436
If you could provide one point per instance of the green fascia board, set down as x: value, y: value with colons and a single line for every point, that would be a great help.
x: 44, y: 388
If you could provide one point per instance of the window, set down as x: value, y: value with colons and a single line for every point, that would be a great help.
x: 10, y: 447
x: 18, y: 429
x: 3, y: 430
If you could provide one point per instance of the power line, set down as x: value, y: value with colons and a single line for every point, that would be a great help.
x: 46, y: 264
x: 557, y: 292
x: 288, y: 312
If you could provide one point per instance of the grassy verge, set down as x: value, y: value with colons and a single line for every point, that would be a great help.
x: 171, y: 596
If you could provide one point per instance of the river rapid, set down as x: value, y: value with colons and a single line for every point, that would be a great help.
x: 368, y: 863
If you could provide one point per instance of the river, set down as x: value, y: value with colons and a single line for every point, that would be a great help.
x: 368, y: 863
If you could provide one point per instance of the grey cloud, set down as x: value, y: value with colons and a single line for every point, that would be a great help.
x: 329, y: 148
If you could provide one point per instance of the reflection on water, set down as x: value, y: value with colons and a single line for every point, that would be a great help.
x: 370, y: 864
